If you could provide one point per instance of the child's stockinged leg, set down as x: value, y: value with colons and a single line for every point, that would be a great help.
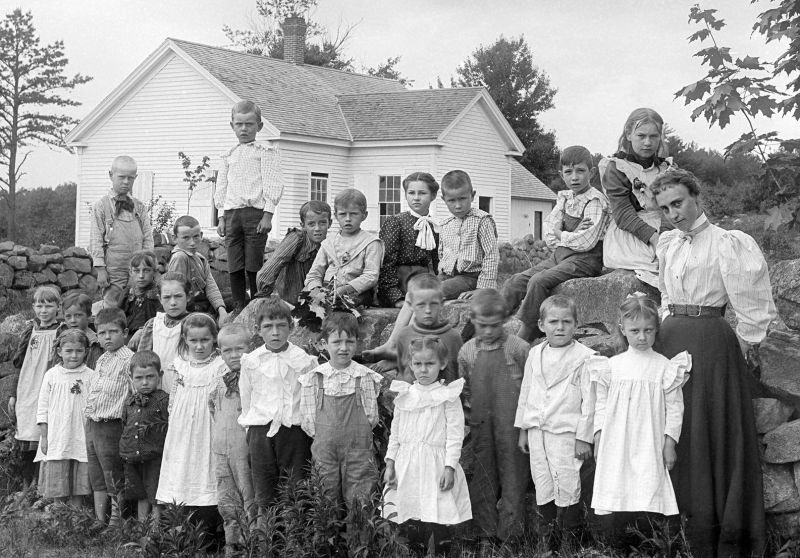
x: 238, y: 288
x: 484, y: 488
x: 101, y: 505
x: 142, y: 510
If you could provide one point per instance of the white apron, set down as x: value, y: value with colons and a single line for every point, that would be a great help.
x: 621, y: 249
x: 37, y: 361
x: 165, y: 345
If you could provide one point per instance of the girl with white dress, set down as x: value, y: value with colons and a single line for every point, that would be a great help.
x: 187, y: 467
x: 425, y: 485
x: 62, y: 446
x: 637, y: 418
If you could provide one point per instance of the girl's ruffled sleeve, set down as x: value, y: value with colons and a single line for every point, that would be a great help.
x: 676, y: 375
x: 599, y: 369
x: 454, y: 414
x: 746, y: 279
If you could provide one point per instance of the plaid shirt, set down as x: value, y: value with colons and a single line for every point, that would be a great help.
x: 337, y: 383
x: 109, y: 386
x: 592, y: 204
x: 469, y: 245
x: 250, y: 177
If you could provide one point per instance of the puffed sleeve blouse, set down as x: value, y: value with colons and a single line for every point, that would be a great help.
x: 714, y: 268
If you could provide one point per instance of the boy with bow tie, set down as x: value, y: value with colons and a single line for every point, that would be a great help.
x: 120, y: 226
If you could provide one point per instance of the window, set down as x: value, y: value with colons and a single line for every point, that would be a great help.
x: 485, y: 204
x: 388, y: 196
x: 537, y: 225
x: 319, y: 186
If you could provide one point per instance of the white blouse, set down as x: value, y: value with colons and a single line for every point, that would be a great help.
x: 714, y: 268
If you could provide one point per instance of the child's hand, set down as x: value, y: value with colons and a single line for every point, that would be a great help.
x: 12, y: 405
x: 466, y: 295
x: 448, y: 479
x: 221, y: 227
x: 102, y: 278
x: 383, y: 366
x: 522, y: 442
x: 670, y: 455
x: 583, y: 450
x: 389, y: 475
x: 585, y: 223
x: 265, y: 224
x: 597, y: 443
x: 346, y: 290
x: 43, y: 445
x: 223, y: 316
x: 212, y: 407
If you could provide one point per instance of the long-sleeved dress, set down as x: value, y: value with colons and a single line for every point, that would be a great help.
x: 717, y: 477
x: 187, y: 465
x: 639, y: 401
x: 426, y: 437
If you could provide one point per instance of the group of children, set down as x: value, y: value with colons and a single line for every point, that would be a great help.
x: 235, y: 420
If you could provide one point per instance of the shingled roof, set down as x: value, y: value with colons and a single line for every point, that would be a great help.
x: 296, y: 99
x: 525, y: 185
x: 423, y: 114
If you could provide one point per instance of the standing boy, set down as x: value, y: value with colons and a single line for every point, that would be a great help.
x: 271, y: 404
x: 574, y: 232
x: 228, y: 439
x: 205, y: 295
x: 248, y: 189
x: 492, y: 365
x: 108, y: 390
x: 468, y: 254
x: 120, y: 226
x: 555, y: 416
x: 144, y: 428
x: 339, y: 409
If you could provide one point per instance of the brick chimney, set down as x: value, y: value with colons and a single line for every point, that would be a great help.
x: 294, y: 39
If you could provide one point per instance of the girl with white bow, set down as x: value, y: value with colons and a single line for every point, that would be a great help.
x: 411, y: 241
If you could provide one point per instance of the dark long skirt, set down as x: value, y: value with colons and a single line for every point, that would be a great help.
x: 717, y: 477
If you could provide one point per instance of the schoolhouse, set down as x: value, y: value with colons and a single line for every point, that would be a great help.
x: 334, y: 130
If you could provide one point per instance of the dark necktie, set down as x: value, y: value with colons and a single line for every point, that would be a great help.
x: 125, y: 203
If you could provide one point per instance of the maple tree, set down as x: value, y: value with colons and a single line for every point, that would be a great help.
x: 749, y: 86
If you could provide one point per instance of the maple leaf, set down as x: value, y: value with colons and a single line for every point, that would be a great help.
x: 318, y: 310
x: 694, y: 91
x: 749, y: 63
x: 700, y: 35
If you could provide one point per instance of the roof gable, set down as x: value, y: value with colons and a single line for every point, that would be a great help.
x: 525, y: 185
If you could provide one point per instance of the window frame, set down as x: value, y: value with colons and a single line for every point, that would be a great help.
x: 319, y: 176
x: 395, y: 204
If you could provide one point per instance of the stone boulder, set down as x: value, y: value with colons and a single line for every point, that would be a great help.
x: 18, y: 262
x: 75, y: 252
x: 6, y: 246
x: 24, y: 280
x: 770, y: 414
x: 37, y: 263
x: 68, y: 280
x: 88, y: 284
x: 780, y: 491
x: 8, y: 388
x: 780, y: 365
x: 8, y: 345
x: 6, y: 275
x: 785, y: 279
x: 598, y: 298
x: 79, y: 265
x: 783, y: 443
x: 49, y: 249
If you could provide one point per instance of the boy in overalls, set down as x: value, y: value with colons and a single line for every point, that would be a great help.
x: 573, y: 231
x: 120, y: 226
x: 339, y: 407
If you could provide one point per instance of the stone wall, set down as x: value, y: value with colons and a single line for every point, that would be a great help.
x: 521, y: 254
x: 22, y: 268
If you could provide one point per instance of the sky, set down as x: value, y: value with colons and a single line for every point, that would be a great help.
x: 604, y: 57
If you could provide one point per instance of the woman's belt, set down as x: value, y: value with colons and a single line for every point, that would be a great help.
x: 695, y: 310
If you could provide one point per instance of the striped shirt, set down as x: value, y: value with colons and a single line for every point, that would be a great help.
x: 250, y: 176
x: 469, y: 245
x: 591, y: 204
x: 110, y: 386
x: 337, y: 383
x: 714, y: 268
x: 286, y: 268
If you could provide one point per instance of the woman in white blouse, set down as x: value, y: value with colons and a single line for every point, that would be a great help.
x: 704, y: 269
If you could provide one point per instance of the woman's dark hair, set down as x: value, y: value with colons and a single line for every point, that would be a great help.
x: 673, y: 177
x: 178, y: 277
x: 425, y: 177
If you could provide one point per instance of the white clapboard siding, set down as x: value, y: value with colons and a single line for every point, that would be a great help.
x: 175, y: 110
x: 474, y: 147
